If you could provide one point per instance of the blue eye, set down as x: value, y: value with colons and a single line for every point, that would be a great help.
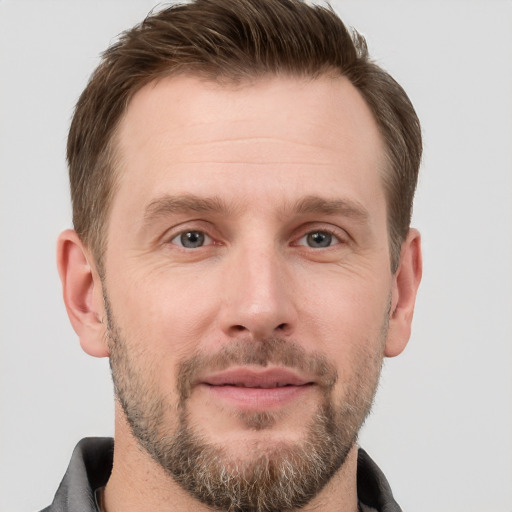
x: 191, y: 239
x: 318, y: 239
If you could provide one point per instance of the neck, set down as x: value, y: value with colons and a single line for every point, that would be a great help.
x: 138, y: 483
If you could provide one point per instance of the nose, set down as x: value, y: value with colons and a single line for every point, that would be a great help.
x: 258, y: 295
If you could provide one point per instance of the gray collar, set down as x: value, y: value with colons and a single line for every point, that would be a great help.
x: 91, y: 464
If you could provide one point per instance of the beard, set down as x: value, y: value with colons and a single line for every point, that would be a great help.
x: 281, y: 476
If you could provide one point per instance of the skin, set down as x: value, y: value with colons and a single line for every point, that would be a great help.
x: 261, y: 149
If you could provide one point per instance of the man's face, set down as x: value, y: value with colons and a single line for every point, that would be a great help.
x: 247, y: 274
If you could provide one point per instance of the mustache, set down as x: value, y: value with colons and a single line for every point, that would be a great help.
x: 244, y: 352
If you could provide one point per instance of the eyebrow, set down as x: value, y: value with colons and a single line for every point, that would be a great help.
x: 168, y: 205
x: 190, y: 203
x: 344, y: 207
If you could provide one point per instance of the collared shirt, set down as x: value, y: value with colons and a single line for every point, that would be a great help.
x: 91, y: 464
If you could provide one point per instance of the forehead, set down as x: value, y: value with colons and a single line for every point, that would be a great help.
x: 277, y: 133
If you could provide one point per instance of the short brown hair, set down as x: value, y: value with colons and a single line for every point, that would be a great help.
x: 229, y: 40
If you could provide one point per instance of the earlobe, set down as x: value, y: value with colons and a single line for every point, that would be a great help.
x: 82, y: 292
x: 405, y: 287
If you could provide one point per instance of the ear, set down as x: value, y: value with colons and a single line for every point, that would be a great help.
x: 82, y: 291
x: 403, y: 296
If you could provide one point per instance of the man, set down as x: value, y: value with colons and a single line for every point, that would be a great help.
x: 242, y: 178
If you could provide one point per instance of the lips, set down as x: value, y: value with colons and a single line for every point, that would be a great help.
x: 257, y: 389
x: 268, y: 378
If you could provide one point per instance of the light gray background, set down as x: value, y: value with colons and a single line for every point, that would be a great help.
x: 442, y: 425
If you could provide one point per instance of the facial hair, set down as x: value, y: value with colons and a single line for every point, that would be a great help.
x: 281, y: 477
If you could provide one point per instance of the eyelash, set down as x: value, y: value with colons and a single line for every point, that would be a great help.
x: 198, y: 231
x: 209, y: 240
x: 332, y: 232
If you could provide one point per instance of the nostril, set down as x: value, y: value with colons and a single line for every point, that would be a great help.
x: 281, y: 327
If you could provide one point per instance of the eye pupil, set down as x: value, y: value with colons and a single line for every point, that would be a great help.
x: 319, y: 239
x: 192, y: 239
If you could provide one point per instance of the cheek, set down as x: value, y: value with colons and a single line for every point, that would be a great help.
x: 345, y: 317
x: 342, y: 303
x: 169, y: 312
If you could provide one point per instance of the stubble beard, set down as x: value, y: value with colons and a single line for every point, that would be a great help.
x: 282, y: 476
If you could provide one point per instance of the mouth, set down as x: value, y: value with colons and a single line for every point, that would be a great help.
x: 252, y: 389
